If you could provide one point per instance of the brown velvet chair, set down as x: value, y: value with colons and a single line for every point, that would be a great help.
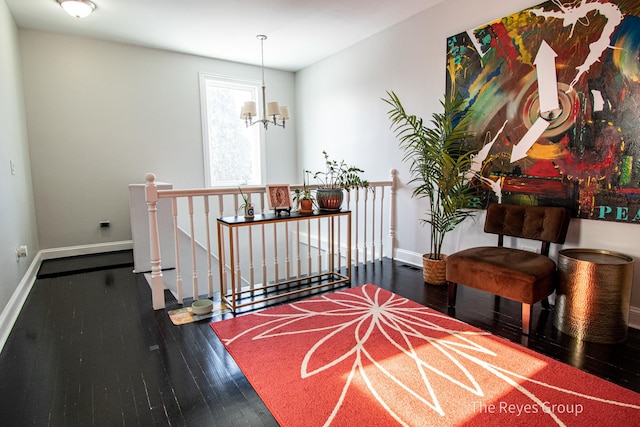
x: 515, y: 274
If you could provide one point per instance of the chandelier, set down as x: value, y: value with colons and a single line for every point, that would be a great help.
x: 271, y: 111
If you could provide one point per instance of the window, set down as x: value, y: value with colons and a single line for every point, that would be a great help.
x: 232, y: 152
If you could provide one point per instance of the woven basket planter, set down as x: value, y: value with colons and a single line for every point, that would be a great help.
x: 434, y: 270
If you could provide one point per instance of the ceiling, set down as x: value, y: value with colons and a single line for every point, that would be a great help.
x: 300, y: 32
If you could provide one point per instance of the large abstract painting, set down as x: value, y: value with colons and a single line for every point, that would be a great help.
x: 554, y: 96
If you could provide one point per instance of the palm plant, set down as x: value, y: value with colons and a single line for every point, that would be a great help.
x: 439, y: 157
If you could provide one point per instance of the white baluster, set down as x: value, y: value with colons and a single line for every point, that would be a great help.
x: 349, y: 208
x: 339, y: 242
x: 263, y: 235
x: 380, y: 232
x: 349, y: 222
x: 252, y: 276
x: 383, y: 216
x: 366, y: 225
x: 319, y: 247
x: 373, y: 225
x: 393, y: 216
x: 309, y: 259
x: 298, y: 262
x: 331, y: 247
x: 209, y: 250
x: 193, y: 251
x: 176, y: 239
x: 222, y: 250
x: 287, y: 262
x: 275, y: 252
x: 357, y: 229
x: 236, y: 267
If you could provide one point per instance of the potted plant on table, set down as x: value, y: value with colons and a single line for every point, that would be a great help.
x: 246, y: 205
x: 336, y: 177
x: 303, y: 198
x: 439, y: 156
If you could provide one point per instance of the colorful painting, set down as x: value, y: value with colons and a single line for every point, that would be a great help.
x: 554, y: 96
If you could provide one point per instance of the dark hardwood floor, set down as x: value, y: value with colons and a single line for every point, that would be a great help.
x: 87, y: 349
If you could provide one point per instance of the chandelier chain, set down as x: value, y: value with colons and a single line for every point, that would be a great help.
x: 262, y: 38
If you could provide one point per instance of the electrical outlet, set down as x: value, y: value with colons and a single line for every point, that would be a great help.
x: 105, y: 224
x: 12, y: 165
x: 21, y: 252
x: 530, y: 249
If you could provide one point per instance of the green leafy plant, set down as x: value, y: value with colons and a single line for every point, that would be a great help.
x: 339, y: 175
x: 439, y: 157
x: 245, y: 200
x: 304, y: 193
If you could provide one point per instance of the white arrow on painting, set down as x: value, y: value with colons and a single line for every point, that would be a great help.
x: 548, y: 96
x: 545, y: 63
x: 519, y: 151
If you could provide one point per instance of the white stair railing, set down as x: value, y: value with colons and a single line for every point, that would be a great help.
x: 197, y: 246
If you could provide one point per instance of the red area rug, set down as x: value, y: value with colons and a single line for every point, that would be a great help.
x: 367, y: 357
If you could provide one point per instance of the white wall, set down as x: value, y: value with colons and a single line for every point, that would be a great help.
x: 339, y: 109
x: 101, y: 115
x: 17, y: 215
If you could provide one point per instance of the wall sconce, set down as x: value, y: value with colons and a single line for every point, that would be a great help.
x: 77, y: 8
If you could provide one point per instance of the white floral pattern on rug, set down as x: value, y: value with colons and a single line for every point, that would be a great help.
x: 434, y: 348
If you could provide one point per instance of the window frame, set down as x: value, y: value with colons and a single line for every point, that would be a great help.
x: 250, y: 85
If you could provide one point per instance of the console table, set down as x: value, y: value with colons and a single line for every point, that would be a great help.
x: 229, y: 249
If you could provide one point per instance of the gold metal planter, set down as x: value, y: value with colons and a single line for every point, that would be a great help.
x: 594, y: 294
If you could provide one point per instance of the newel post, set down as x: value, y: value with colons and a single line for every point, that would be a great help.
x: 157, y: 281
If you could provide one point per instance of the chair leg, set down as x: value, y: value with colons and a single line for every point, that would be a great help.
x: 526, y: 318
x: 453, y: 290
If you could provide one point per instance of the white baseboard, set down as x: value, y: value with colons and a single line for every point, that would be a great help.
x: 96, y: 248
x: 11, y: 311
x: 408, y: 257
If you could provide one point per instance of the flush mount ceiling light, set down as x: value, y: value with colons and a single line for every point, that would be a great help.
x: 271, y: 112
x: 77, y: 8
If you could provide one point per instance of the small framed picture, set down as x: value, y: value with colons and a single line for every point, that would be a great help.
x: 279, y: 196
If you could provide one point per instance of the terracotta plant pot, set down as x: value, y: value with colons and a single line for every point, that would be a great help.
x: 306, y: 206
x: 434, y: 270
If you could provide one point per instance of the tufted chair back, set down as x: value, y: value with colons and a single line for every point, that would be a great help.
x: 543, y: 223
